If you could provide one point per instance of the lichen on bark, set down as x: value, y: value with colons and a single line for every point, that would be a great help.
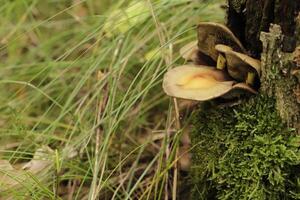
x: 277, y: 79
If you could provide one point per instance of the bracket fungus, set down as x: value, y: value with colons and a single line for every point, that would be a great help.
x: 234, y: 70
x: 190, y: 52
x: 242, y: 67
x: 210, y: 34
x: 240, y: 87
x: 199, y: 83
x: 221, y: 48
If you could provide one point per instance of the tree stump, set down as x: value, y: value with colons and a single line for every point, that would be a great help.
x: 251, y: 151
x: 270, y: 30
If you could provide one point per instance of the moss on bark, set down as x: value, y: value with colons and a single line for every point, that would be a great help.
x: 244, y: 152
x: 251, y: 150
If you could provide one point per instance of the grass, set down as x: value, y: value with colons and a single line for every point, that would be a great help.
x: 83, y: 79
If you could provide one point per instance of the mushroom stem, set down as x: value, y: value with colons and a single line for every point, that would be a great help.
x: 250, y: 78
x: 221, y: 62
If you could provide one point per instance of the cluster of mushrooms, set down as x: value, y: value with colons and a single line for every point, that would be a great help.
x: 220, y: 67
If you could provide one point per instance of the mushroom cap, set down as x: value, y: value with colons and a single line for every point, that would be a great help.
x: 244, y: 87
x: 238, y: 89
x: 239, y: 65
x: 210, y: 34
x: 223, y: 48
x: 196, y: 83
x: 190, y: 52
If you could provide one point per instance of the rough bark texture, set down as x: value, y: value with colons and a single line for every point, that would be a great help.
x: 252, y: 21
x: 248, y: 18
x: 270, y: 31
x: 277, y: 79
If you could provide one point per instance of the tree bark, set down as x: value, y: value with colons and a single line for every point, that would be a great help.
x: 270, y: 31
x: 254, y: 23
x: 277, y: 79
x: 248, y: 18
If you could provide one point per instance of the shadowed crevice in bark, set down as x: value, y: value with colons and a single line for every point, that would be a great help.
x: 247, y: 18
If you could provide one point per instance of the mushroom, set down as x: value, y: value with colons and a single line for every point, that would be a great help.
x: 221, y: 48
x: 198, y: 83
x: 244, y: 86
x: 210, y: 34
x: 190, y: 52
x: 242, y: 67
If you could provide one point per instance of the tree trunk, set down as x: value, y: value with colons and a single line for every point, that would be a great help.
x: 250, y: 150
x: 248, y: 18
x: 270, y: 30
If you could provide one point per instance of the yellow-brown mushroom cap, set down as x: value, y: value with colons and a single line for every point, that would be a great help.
x: 196, y: 83
x: 244, y: 87
x: 221, y: 48
x: 239, y: 65
x: 210, y: 34
x: 238, y: 89
x: 190, y: 52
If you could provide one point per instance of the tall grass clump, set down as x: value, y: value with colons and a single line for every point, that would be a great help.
x: 82, y: 79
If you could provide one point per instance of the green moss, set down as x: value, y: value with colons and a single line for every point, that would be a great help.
x: 244, y: 152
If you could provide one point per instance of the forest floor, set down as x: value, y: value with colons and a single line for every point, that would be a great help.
x: 82, y: 111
